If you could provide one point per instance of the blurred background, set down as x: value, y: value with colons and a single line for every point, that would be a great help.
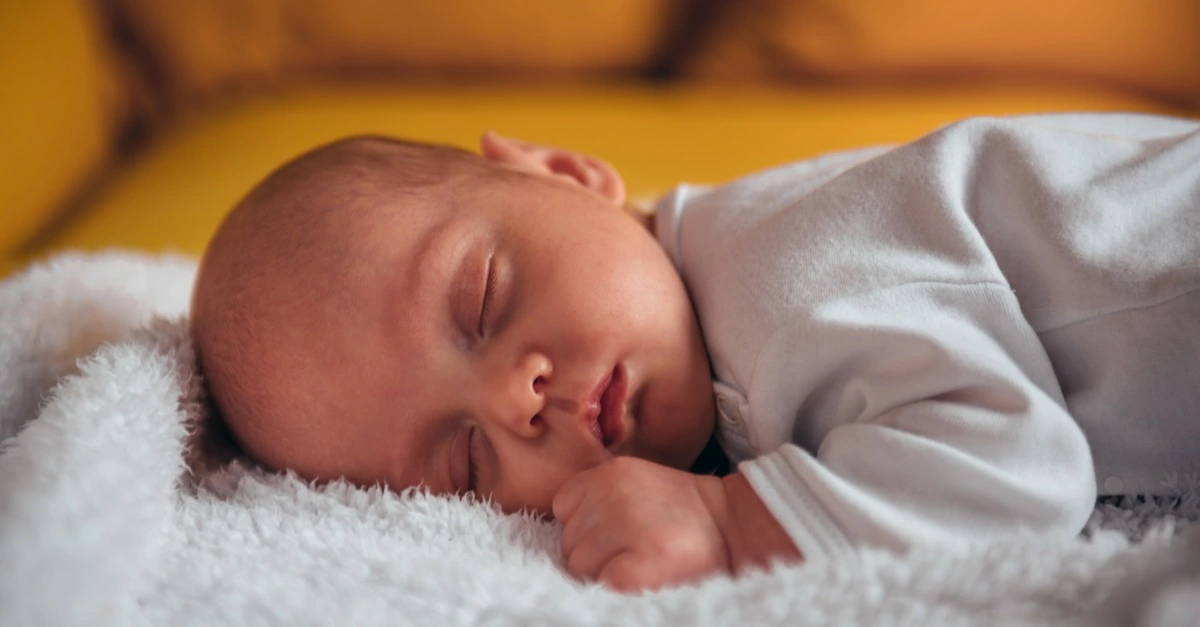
x: 138, y: 123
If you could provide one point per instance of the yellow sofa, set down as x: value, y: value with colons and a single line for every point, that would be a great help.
x: 138, y: 123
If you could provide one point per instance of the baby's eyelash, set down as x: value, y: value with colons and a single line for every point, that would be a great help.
x: 472, y: 463
x: 488, y: 291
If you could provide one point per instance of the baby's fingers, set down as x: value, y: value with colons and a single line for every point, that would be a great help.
x: 576, y: 530
x: 591, y: 554
x: 569, y: 496
x: 628, y: 572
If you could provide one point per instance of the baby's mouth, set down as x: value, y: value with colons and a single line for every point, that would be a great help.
x: 611, y: 420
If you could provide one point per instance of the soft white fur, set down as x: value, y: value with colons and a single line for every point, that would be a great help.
x: 97, y: 528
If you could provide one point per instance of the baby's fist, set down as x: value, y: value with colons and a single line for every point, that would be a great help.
x: 634, y: 525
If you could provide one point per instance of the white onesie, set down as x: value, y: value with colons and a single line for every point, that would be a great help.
x: 911, y: 344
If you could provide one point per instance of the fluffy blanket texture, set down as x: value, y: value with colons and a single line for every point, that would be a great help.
x: 100, y: 522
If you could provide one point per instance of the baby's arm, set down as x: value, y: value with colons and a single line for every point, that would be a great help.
x: 950, y: 425
x: 753, y: 537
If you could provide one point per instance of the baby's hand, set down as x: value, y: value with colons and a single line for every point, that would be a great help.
x: 634, y: 525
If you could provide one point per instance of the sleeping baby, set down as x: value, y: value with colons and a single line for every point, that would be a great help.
x: 947, y: 341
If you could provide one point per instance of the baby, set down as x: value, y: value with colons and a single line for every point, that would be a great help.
x: 945, y: 341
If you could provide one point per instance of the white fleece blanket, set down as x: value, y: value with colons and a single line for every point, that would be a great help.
x: 99, y: 526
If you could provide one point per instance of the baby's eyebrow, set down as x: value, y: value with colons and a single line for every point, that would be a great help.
x: 427, y: 258
x: 419, y: 279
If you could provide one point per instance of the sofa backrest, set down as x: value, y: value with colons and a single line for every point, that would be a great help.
x: 1148, y: 46
x: 197, y: 49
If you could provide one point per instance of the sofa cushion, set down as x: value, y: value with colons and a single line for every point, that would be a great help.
x: 174, y: 193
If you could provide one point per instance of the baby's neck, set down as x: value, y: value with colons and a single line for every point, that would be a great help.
x: 641, y: 210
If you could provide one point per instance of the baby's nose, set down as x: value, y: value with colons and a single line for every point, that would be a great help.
x: 522, y: 395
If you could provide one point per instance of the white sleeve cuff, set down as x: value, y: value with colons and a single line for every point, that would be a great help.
x: 784, y: 492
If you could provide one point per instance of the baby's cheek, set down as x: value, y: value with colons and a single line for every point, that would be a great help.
x: 512, y: 501
x: 533, y: 490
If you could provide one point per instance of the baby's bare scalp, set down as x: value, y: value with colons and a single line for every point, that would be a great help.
x: 281, y: 250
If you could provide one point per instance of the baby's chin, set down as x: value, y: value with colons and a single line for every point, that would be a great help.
x: 696, y: 448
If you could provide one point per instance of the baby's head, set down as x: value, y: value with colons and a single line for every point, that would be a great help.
x: 405, y: 314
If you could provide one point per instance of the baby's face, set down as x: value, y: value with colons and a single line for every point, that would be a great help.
x: 500, y: 335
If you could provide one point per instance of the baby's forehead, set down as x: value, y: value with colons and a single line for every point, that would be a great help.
x: 354, y: 222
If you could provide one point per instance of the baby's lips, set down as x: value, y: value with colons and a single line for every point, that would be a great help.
x: 612, y: 408
x: 593, y: 409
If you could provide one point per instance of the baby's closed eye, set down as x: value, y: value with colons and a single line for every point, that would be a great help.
x: 466, y: 453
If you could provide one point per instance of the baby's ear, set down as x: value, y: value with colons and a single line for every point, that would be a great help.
x: 589, y: 172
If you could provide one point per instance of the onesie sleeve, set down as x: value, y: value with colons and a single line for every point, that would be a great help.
x: 946, y: 424
x: 862, y: 311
